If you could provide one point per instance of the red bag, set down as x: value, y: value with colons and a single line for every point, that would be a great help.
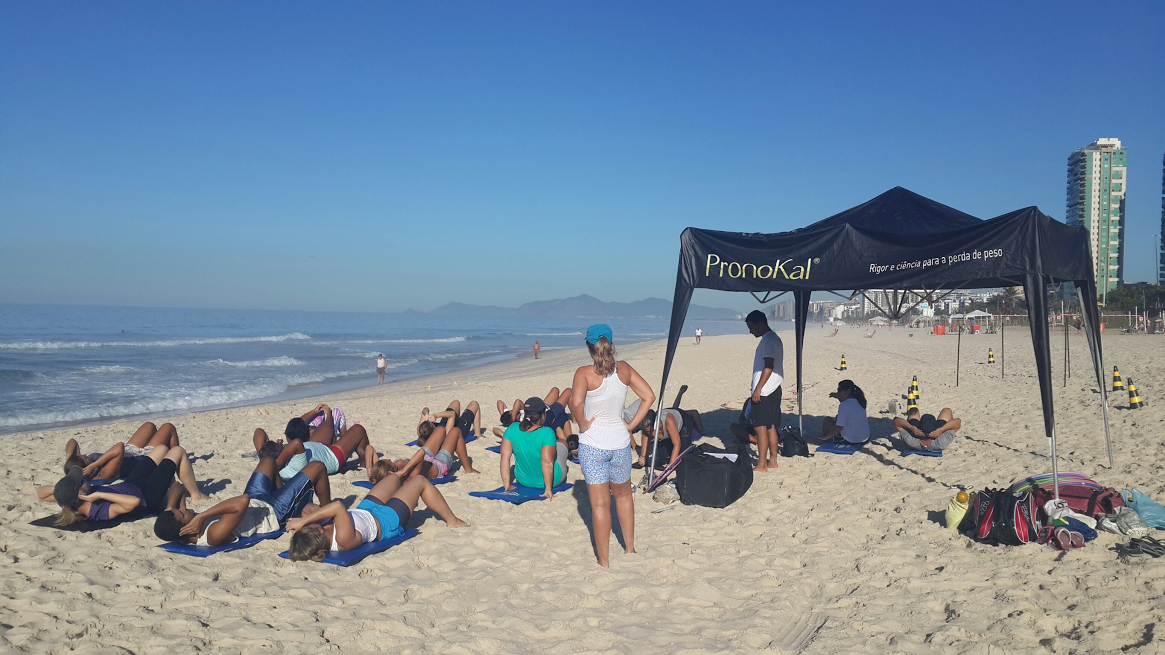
x: 1083, y: 499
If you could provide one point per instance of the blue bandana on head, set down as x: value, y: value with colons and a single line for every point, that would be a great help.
x: 599, y: 330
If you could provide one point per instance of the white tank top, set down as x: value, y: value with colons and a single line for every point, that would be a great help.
x: 366, y: 525
x: 604, y: 407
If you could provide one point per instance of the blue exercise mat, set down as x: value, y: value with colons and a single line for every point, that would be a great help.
x: 498, y: 450
x: 350, y: 557
x: 207, y: 551
x: 840, y: 448
x: 102, y: 483
x: 924, y: 453
x: 470, y: 439
x: 519, y: 494
x: 368, y: 485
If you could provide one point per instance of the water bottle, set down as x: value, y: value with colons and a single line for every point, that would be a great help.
x: 956, y: 510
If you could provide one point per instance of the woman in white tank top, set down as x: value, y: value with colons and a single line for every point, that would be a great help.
x: 383, y: 514
x: 597, y: 400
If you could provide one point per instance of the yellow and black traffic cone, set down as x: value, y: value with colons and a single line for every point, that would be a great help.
x: 843, y: 366
x: 1117, y: 383
x: 1134, y: 396
x: 911, y: 401
x: 914, y: 387
x: 990, y: 356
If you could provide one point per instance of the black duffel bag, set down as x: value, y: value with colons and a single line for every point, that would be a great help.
x: 703, y: 479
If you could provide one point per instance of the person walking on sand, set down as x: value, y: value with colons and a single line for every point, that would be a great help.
x: 537, y: 349
x: 381, y: 367
x: 699, y: 333
x: 768, y: 370
x: 598, y: 395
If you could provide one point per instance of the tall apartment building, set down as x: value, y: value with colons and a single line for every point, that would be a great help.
x: 1096, y: 200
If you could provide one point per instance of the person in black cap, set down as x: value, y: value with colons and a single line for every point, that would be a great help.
x: 540, y: 460
x: 144, y: 488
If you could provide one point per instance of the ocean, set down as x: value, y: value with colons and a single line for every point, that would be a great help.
x: 62, y: 365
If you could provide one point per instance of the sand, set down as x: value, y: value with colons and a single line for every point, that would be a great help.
x: 829, y: 554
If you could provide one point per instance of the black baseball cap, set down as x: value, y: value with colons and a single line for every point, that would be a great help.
x: 535, y: 406
x: 69, y: 487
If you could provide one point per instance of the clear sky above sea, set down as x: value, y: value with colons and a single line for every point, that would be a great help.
x: 380, y: 156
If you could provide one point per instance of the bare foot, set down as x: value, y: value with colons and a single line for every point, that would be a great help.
x: 630, y: 550
x: 469, y: 470
x: 456, y: 523
x: 605, y: 565
x: 760, y: 469
x: 200, y: 498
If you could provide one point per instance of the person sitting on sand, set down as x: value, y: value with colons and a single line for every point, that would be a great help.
x: 263, y: 507
x: 851, y: 425
x: 678, y: 425
x: 119, y: 460
x: 925, y: 432
x: 540, y: 460
x: 383, y: 514
x: 143, y: 489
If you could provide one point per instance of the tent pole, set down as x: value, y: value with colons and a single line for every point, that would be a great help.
x: 1064, y: 324
x: 1055, y: 465
x: 1002, y: 361
x: 958, y: 355
x: 655, y: 442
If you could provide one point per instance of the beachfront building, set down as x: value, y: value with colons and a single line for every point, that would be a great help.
x: 1096, y: 201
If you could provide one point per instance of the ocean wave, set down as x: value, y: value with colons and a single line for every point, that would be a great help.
x: 17, y: 375
x: 114, y: 369
x: 164, y: 343
x: 550, y: 334
x: 272, y: 361
x: 371, y: 341
x: 476, y: 353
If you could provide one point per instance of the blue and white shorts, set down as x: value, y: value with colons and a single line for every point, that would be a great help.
x: 602, y: 466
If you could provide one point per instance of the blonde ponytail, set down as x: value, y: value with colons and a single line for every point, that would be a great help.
x: 68, y: 516
x: 603, y: 354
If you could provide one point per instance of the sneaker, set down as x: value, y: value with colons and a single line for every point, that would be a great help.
x: 1129, y: 522
x: 338, y: 420
x: 316, y: 421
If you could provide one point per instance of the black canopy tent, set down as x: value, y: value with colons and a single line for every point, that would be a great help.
x: 901, y: 241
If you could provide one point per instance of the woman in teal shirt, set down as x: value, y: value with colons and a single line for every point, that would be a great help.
x: 539, y: 458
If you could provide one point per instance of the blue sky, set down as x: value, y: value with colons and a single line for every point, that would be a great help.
x: 380, y: 156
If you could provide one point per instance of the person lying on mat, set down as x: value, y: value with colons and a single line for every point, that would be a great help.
x: 263, y: 507
x: 557, y: 415
x: 925, y: 432
x: 469, y: 421
x: 119, y: 460
x: 383, y: 514
x: 540, y: 460
x: 678, y: 425
x: 144, y: 488
x: 448, y: 439
x: 851, y: 425
x: 423, y: 462
x: 292, y: 457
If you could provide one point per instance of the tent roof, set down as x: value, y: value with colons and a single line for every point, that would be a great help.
x: 899, y: 211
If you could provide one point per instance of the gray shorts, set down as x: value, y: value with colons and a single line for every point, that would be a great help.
x: 913, y: 443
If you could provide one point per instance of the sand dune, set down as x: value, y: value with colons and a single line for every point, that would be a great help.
x: 830, y: 554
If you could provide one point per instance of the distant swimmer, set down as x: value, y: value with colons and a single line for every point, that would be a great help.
x: 381, y: 367
x: 537, y: 349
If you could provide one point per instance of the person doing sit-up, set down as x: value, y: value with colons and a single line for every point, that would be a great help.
x: 383, y: 514
x: 444, y: 430
x: 143, y: 489
x: 423, y: 462
x: 925, y: 432
x: 119, y: 460
x: 292, y: 457
x: 263, y: 507
x: 557, y: 416
x: 540, y: 460
x: 678, y: 426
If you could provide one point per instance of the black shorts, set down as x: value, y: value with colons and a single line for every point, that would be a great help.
x: 767, y: 413
x: 153, y: 480
x: 395, y: 504
x: 464, y: 422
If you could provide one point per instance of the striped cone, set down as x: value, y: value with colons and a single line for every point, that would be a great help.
x: 1134, y: 396
x: 1117, y: 383
x: 911, y: 402
x: 843, y: 366
x: 990, y: 356
x: 914, y: 386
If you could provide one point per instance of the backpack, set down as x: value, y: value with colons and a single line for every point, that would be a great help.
x: 984, y: 513
x: 1017, y: 522
x: 710, y: 481
x: 791, y: 444
x: 1083, y: 499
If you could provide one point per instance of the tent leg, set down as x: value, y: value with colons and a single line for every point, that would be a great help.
x: 958, y: 355
x: 655, y: 442
x: 1002, y: 360
x: 1055, y: 466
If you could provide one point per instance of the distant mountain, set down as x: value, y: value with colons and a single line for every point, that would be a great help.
x: 586, y: 307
